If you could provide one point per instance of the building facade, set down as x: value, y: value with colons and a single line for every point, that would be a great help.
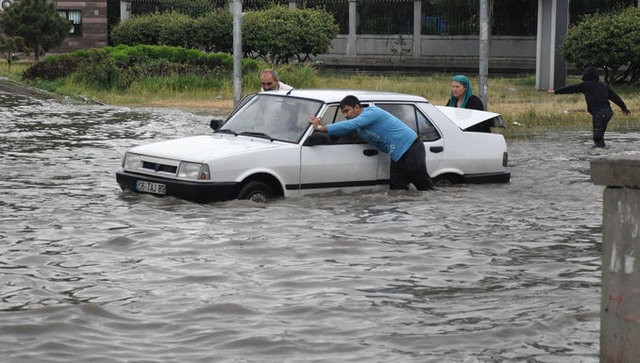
x: 89, y: 28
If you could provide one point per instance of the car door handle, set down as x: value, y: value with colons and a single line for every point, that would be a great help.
x: 370, y: 152
x: 436, y: 149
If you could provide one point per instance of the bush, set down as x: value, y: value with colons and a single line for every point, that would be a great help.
x: 53, y: 67
x: 193, y: 8
x: 276, y: 35
x: 216, y: 31
x: 179, y: 30
x: 140, y: 29
x: 211, y: 32
x: 119, y: 67
x: 99, y: 70
x: 279, y: 34
x: 610, y: 41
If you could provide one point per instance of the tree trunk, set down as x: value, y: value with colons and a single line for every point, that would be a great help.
x: 36, y: 51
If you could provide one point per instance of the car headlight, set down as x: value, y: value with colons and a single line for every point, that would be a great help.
x: 194, y: 171
x: 131, y: 161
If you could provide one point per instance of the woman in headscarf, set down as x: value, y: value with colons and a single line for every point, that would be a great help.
x: 597, y: 96
x: 462, y: 95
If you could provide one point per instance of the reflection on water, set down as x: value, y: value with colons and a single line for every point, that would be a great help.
x: 477, y: 273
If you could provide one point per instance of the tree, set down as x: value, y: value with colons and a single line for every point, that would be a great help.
x: 9, y: 47
x: 37, y: 22
x: 608, y: 41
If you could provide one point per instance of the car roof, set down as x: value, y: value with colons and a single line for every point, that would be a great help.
x: 336, y: 95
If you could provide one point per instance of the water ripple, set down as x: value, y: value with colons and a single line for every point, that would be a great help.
x: 476, y: 273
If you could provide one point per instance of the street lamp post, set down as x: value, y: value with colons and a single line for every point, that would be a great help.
x: 237, y: 50
x: 484, y: 52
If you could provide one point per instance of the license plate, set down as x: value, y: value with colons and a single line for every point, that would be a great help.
x: 148, y: 187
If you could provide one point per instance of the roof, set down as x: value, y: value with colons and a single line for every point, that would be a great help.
x: 336, y: 95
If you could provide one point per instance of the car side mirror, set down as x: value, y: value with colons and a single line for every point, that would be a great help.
x: 317, y: 138
x: 215, y: 123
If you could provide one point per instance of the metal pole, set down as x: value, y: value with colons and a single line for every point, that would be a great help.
x: 237, y: 50
x: 352, y: 37
x: 417, y: 29
x: 484, y: 52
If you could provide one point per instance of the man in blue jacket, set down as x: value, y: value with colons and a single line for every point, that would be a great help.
x: 389, y: 135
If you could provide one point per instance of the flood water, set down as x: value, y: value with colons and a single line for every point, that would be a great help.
x: 478, y: 273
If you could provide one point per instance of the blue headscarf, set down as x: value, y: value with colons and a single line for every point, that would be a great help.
x: 463, y: 80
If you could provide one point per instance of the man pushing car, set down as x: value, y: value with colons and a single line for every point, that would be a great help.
x: 388, y: 134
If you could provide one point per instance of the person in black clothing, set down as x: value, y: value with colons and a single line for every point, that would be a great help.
x: 462, y: 96
x: 597, y: 96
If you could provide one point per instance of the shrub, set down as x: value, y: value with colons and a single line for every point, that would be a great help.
x: 53, y: 67
x: 610, y: 41
x: 99, y: 70
x: 179, y: 30
x: 193, y: 8
x: 118, y: 67
x: 211, y: 32
x: 143, y: 29
x: 216, y: 31
x: 279, y: 34
x: 276, y: 35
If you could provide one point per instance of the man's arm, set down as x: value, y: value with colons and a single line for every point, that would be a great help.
x: 576, y: 88
x: 345, y: 127
x: 613, y: 96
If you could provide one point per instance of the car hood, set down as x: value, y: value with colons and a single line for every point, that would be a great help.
x: 204, y: 147
x: 465, y: 118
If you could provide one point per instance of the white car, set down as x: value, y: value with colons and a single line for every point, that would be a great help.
x: 266, y: 149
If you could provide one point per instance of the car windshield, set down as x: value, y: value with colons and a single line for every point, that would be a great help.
x: 274, y: 117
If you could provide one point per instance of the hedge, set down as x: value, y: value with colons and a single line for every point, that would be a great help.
x: 122, y: 65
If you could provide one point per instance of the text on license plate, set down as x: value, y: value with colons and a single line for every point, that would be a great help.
x: 148, y: 187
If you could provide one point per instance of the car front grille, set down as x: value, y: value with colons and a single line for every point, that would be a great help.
x: 159, y: 167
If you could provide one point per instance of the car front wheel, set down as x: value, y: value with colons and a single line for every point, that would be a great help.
x: 256, y: 191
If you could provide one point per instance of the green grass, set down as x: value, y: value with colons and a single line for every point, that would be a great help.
x: 525, y: 109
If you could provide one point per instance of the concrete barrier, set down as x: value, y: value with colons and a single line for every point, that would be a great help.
x: 620, y: 301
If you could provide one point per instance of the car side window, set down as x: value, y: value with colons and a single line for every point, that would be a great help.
x: 426, y: 130
x: 333, y: 115
x: 406, y: 113
x: 413, y: 118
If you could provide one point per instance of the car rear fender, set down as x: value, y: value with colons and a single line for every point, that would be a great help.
x: 443, y: 171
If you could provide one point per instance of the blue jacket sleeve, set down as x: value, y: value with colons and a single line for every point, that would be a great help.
x: 366, y: 118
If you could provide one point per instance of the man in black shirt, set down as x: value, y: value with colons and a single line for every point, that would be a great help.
x: 597, y: 96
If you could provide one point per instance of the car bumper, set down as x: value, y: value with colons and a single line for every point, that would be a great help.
x: 201, y: 192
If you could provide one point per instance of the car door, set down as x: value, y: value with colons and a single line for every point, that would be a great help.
x: 345, y: 163
x: 428, y: 133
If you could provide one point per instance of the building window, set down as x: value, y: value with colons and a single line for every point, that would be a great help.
x: 75, y: 18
